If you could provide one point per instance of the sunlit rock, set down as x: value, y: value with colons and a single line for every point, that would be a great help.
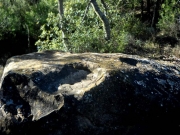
x: 89, y: 93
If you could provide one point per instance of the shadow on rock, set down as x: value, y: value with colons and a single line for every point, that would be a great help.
x: 141, y: 97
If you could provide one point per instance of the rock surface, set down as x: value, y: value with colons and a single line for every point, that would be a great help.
x: 56, y: 93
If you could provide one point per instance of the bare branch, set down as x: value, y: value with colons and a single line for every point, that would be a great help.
x: 103, y: 18
x: 104, y: 6
x: 61, y: 13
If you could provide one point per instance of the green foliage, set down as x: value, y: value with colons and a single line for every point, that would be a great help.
x: 50, y: 34
x: 167, y: 24
x: 87, y: 35
x: 20, y: 16
x: 84, y: 33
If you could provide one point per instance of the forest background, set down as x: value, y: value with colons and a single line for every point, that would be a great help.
x: 150, y: 28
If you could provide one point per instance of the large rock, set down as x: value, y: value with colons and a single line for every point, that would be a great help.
x: 1, y: 70
x: 57, y: 93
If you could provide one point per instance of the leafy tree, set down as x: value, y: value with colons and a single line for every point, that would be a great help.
x: 18, y: 15
x: 82, y: 26
x: 168, y: 24
x: 83, y: 29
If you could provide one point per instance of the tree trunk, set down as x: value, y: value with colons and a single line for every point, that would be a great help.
x: 142, y: 10
x: 156, y: 12
x: 61, y: 8
x: 61, y: 13
x: 103, y: 18
x: 148, y: 6
x: 104, y: 6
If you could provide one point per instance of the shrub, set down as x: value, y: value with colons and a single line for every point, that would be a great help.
x: 168, y: 22
x: 87, y: 35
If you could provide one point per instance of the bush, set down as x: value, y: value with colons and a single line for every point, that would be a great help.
x: 87, y: 35
x: 168, y: 22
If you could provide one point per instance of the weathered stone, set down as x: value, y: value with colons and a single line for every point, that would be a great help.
x: 57, y: 93
x: 1, y: 70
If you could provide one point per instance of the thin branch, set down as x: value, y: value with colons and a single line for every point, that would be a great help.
x: 103, y: 18
x: 154, y: 13
x: 104, y: 6
x: 28, y: 35
x: 86, y: 11
x: 61, y: 13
